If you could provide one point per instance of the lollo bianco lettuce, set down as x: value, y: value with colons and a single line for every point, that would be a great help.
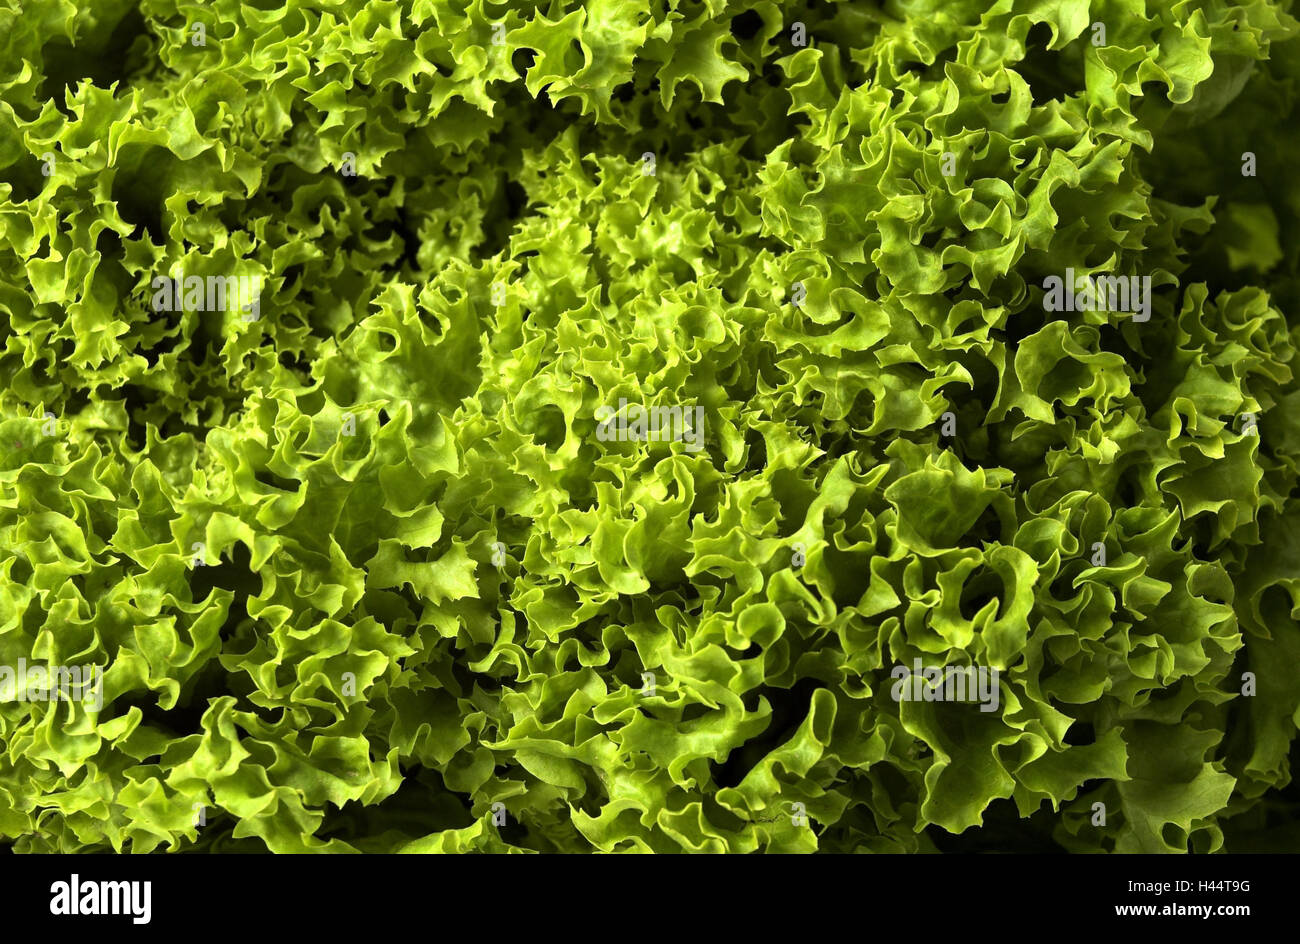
x: 443, y: 426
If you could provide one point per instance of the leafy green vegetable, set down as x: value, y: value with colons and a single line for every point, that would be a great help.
x: 365, y: 569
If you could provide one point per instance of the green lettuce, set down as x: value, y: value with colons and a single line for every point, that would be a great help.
x: 364, y: 575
